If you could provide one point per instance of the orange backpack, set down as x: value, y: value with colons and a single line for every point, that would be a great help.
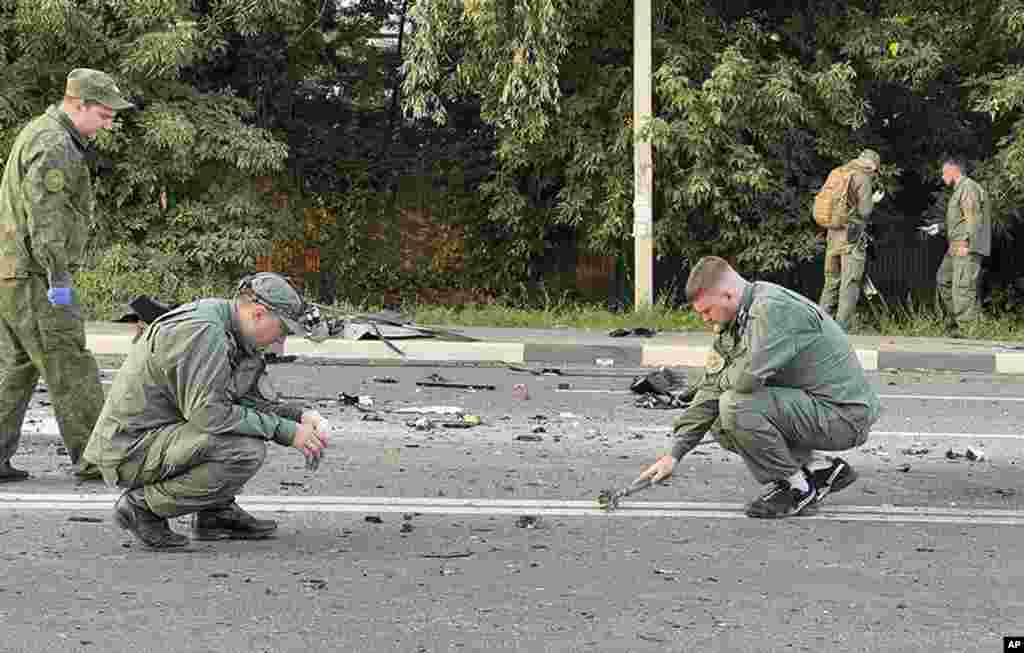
x: 831, y: 209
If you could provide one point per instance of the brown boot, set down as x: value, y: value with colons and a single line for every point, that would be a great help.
x: 230, y: 523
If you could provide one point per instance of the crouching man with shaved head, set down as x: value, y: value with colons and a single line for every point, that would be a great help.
x: 781, y: 382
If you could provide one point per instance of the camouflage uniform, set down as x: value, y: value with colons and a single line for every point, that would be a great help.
x: 190, y: 412
x: 846, y: 248
x: 968, y: 225
x: 46, y: 207
x: 782, y: 381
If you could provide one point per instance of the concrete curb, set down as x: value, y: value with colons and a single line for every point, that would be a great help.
x: 536, y: 351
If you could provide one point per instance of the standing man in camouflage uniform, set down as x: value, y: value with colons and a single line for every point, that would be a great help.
x: 188, y: 418
x: 781, y: 382
x: 46, y: 207
x: 968, y: 229
x: 846, y: 247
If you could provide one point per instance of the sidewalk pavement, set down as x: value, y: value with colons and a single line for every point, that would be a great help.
x: 575, y: 347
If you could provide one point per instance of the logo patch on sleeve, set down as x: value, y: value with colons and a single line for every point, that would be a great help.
x: 54, y: 180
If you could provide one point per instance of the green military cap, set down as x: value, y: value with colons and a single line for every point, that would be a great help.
x: 96, y: 86
x: 870, y: 158
x: 274, y: 292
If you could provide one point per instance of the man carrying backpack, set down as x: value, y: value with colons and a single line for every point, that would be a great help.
x: 843, y: 206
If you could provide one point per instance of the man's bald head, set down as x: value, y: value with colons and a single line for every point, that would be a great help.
x: 710, y: 273
x: 715, y: 289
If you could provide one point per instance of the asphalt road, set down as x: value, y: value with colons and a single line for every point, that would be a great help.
x: 477, y: 541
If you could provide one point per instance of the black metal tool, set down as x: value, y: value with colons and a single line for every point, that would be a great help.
x: 609, y: 499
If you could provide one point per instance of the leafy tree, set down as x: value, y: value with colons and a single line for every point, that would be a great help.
x: 178, y: 181
x: 754, y: 103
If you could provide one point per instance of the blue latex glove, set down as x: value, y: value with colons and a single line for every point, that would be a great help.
x: 60, y: 296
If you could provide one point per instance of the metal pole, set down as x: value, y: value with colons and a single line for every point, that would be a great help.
x: 643, y: 160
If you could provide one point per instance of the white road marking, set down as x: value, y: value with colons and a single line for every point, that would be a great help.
x: 551, y: 507
x: 47, y: 426
x: 991, y: 398
x: 891, y: 434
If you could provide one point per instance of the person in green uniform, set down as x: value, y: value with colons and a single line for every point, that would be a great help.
x: 781, y: 382
x: 46, y: 207
x: 968, y: 229
x: 187, y: 421
x: 846, y: 247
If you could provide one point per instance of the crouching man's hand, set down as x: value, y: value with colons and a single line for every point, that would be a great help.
x: 311, y: 438
x: 660, y: 470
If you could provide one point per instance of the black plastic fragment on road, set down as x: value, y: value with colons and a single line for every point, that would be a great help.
x: 455, y: 386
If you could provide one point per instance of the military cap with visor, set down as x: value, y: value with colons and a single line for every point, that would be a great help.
x: 90, y: 85
x: 273, y: 291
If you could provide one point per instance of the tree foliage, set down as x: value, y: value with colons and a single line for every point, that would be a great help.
x: 510, y: 121
x: 754, y: 103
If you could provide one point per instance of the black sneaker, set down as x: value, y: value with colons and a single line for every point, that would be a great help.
x: 231, y: 523
x: 781, y: 500
x: 832, y: 479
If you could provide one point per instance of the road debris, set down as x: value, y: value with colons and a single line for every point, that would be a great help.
x: 467, y: 421
x: 520, y: 392
x: 429, y: 410
x: 651, y: 638
x: 385, y: 379
x: 373, y: 519
x: 876, y: 449
x: 529, y: 438
x: 663, y: 388
x: 974, y: 454
x: 314, y: 583
x: 916, y: 449
x: 421, y: 424
x: 528, y: 521
x: 642, y: 332
x: 363, y: 402
x: 456, y: 386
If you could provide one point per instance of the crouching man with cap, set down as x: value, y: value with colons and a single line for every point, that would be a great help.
x: 781, y: 382
x: 187, y: 421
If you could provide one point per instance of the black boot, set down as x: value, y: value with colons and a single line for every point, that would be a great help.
x: 230, y: 523
x: 86, y: 471
x: 11, y: 474
x: 132, y: 514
